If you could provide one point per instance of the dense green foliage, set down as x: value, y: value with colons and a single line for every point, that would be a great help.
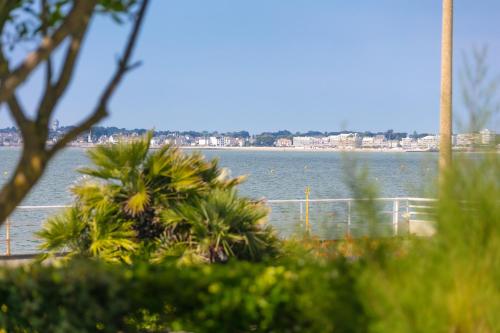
x: 451, y: 282
x: 237, y: 297
x: 137, y: 204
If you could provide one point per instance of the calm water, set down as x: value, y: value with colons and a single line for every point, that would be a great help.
x: 271, y: 175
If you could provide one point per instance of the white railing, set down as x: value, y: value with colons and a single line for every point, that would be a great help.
x: 9, y: 222
x: 414, y: 214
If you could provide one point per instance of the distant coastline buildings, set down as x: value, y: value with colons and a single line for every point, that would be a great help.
x: 283, y: 139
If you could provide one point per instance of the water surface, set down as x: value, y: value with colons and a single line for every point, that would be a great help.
x: 271, y: 175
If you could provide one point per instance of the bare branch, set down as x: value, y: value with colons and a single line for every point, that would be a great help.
x: 48, y: 72
x: 53, y: 93
x: 81, y: 10
x: 45, y: 32
x: 14, y: 107
x: 101, y: 111
x: 70, y: 61
x: 18, y: 114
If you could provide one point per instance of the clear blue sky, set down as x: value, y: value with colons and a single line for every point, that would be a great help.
x: 265, y: 65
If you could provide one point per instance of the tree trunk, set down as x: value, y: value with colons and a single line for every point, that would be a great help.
x: 446, y: 88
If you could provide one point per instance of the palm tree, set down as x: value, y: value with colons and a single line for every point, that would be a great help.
x: 133, y: 204
x: 217, y: 227
x: 446, y: 87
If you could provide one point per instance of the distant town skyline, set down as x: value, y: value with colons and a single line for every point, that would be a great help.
x: 57, y: 126
x: 268, y: 65
x: 345, y: 140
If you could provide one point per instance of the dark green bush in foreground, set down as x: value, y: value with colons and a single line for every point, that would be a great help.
x: 87, y: 296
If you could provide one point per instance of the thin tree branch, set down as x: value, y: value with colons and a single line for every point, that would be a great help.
x: 14, y: 106
x: 69, y: 62
x: 45, y: 32
x: 101, y: 111
x: 53, y: 93
x: 6, y: 8
x: 18, y: 114
x: 81, y: 10
x: 48, y: 72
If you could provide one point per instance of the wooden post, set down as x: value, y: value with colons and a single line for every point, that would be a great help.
x: 7, y: 237
x: 308, y: 190
x: 445, y: 123
x: 349, y: 218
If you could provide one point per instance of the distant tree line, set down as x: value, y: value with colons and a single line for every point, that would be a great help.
x: 98, y: 131
x: 262, y: 139
x: 8, y: 130
x: 268, y: 138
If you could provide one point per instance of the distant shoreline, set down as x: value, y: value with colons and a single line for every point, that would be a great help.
x: 283, y: 149
x: 259, y: 149
x: 293, y: 149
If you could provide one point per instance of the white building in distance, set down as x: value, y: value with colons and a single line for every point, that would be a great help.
x: 283, y: 142
x: 302, y: 141
x: 428, y: 142
x: 55, y: 125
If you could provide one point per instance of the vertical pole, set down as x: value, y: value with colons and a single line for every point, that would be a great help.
x: 349, y: 218
x: 408, y: 214
x: 445, y: 125
x: 395, y: 216
x: 308, y: 190
x: 7, y: 237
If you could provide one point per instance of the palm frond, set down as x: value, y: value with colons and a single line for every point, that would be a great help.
x: 225, y: 225
x: 62, y: 232
x: 138, y: 201
x: 112, y: 241
x: 117, y: 161
x: 93, y: 196
x: 165, y: 203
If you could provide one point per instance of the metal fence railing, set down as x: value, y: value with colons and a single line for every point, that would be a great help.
x: 335, y: 218
x: 17, y: 234
x: 326, y: 218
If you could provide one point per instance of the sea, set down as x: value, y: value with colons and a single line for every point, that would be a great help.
x: 271, y: 175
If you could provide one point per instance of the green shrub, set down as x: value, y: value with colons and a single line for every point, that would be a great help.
x: 86, y: 296
x: 140, y: 205
x: 78, y: 298
x: 450, y: 282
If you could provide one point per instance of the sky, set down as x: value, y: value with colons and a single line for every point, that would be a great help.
x: 267, y: 65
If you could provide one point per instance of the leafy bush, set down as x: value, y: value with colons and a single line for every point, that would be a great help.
x: 87, y: 296
x: 451, y: 282
x: 77, y: 298
x: 135, y: 204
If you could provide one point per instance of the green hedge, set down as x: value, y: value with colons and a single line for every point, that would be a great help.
x: 88, y: 296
